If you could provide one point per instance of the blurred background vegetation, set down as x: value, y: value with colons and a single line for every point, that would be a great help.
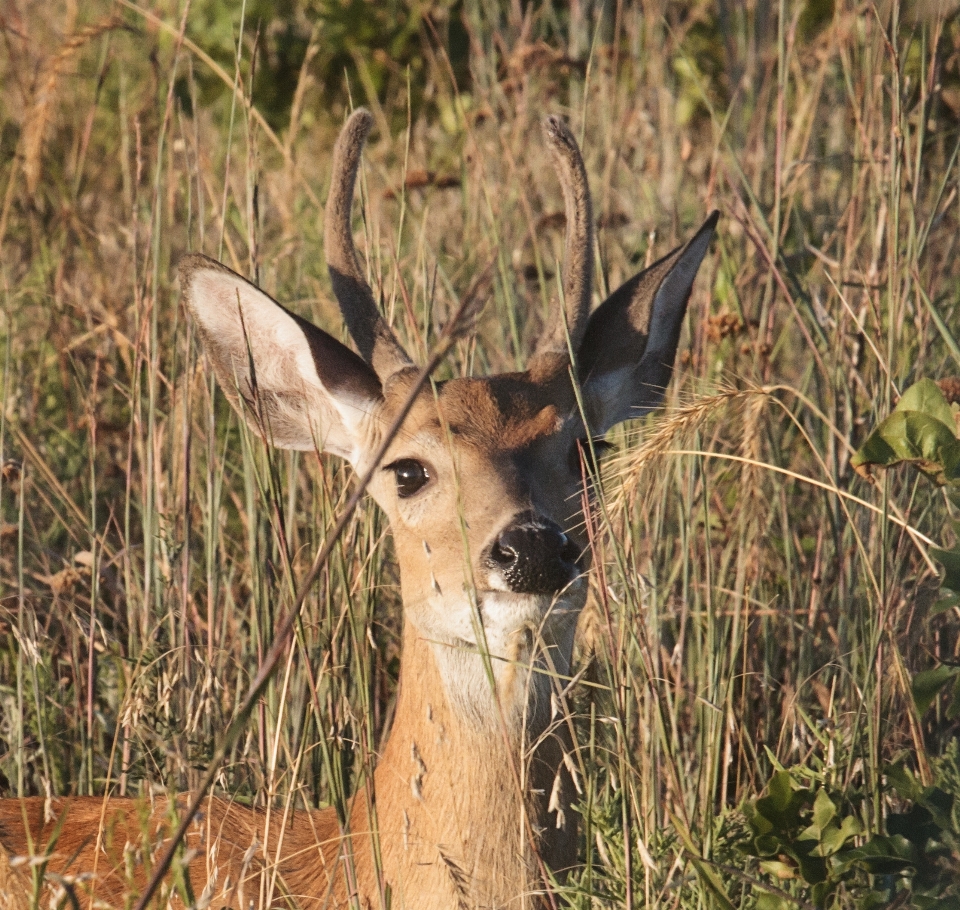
x: 770, y: 709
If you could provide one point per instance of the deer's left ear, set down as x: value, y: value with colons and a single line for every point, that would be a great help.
x: 296, y: 386
x: 626, y: 357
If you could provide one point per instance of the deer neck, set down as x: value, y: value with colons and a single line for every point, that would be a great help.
x: 471, y: 790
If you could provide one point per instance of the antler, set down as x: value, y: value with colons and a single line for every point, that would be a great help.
x: 374, y: 338
x: 578, y: 251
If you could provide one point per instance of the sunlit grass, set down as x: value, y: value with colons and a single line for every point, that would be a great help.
x: 757, y: 603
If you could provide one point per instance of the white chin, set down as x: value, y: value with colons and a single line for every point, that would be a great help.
x: 521, y: 632
x: 504, y: 614
x: 509, y: 611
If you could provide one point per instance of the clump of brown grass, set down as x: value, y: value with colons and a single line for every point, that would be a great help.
x: 763, y: 604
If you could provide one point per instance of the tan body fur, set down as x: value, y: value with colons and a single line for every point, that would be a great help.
x: 471, y: 802
x: 441, y: 823
x: 104, y: 848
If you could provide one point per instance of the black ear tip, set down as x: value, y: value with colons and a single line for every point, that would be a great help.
x: 701, y: 240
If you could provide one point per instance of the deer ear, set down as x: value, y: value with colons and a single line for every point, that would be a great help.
x: 626, y: 357
x: 296, y: 386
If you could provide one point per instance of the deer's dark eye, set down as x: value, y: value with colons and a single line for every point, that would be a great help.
x: 411, y: 476
x: 580, y: 453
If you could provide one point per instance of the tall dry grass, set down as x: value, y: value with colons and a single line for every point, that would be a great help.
x: 756, y: 603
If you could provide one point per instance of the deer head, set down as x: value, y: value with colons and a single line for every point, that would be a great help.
x: 483, y: 484
x: 484, y: 489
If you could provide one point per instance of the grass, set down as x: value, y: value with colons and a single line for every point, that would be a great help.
x: 759, y: 608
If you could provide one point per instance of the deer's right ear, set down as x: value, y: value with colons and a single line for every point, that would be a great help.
x: 300, y: 387
x: 628, y: 349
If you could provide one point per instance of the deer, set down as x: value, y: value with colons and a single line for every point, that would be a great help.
x: 486, y: 490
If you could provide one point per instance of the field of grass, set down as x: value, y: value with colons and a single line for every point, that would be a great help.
x: 752, y: 728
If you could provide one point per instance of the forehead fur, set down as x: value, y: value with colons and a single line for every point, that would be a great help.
x: 506, y: 412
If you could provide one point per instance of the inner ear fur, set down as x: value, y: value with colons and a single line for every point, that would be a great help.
x: 626, y: 357
x: 296, y: 386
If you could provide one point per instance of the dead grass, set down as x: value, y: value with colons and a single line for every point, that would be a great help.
x: 147, y: 546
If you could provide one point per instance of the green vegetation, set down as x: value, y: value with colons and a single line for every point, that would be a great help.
x: 769, y: 705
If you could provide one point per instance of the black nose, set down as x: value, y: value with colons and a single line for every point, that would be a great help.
x: 534, y: 556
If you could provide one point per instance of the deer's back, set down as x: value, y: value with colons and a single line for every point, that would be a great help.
x: 105, y: 848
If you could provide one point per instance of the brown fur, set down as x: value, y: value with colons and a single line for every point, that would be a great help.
x: 443, y: 841
x: 102, y: 849
x: 470, y: 804
x: 440, y: 823
x: 452, y: 832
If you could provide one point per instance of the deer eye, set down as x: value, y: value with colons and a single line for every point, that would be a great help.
x: 580, y: 451
x: 411, y: 476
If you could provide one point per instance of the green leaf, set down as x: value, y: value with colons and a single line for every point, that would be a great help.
x: 946, y: 602
x: 953, y: 707
x: 813, y: 869
x: 758, y: 823
x: 925, y: 396
x: 834, y: 838
x: 950, y: 560
x: 781, y: 806
x: 885, y: 855
x: 903, y: 781
x: 927, y: 685
x: 780, y: 791
x: 769, y: 901
x: 823, y: 810
x: 921, y: 430
x: 851, y: 827
x: 822, y: 891
x: 767, y: 845
x: 915, y: 438
x: 778, y: 869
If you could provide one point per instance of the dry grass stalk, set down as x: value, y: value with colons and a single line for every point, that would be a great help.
x: 45, y: 95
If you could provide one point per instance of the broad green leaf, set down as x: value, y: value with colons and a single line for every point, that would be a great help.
x: 851, y: 827
x: 822, y: 891
x: 759, y: 823
x: 823, y: 810
x: 927, y: 685
x: 768, y: 901
x: 834, y: 838
x: 779, y: 869
x: 921, y: 430
x: 885, y: 855
x: 813, y: 869
x: 946, y: 602
x: 780, y: 791
x: 916, y: 438
x: 938, y: 805
x: 903, y: 781
x: 767, y: 845
x: 925, y: 396
x: 950, y: 560
x: 781, y: 804
x: 953, y: 708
